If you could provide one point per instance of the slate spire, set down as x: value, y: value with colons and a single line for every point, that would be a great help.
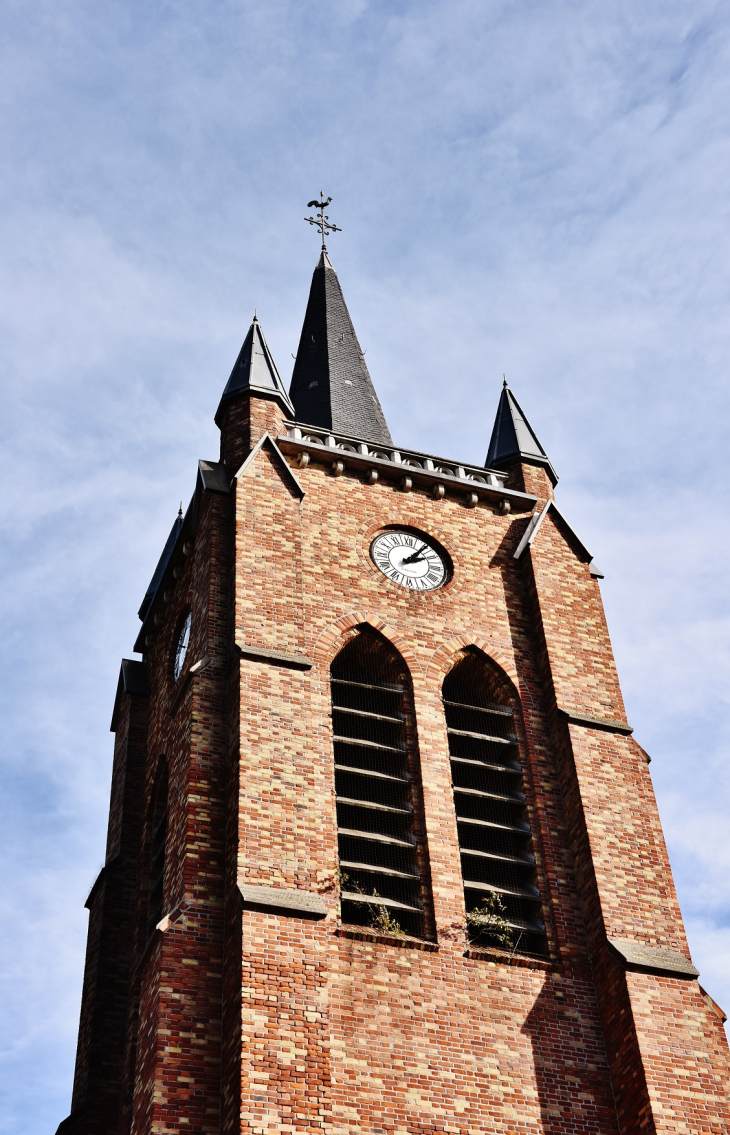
x: 254, y: 371
x: 513, y: 438
x: 330, y: 385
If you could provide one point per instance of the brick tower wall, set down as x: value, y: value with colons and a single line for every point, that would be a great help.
x: 375, y: 1034
x: 248, y: 1017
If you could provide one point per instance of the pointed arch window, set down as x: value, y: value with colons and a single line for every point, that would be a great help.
x: 384, y: 877
x: 158, y: 848
x: 503, y: 903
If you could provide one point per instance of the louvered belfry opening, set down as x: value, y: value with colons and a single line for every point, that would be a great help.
x: 498, y: 866
x: 158, y: 846
x: 383, y: 860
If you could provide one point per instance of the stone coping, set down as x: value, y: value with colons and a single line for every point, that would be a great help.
x: 274, y: 657
x: 637, y: 955
x: 594, y: 722
x: 277, y: 900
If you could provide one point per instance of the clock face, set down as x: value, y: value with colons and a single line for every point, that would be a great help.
x: 409, y: 560
x: 181, y: 647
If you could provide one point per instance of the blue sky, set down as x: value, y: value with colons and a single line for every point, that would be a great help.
x: 534, y: 188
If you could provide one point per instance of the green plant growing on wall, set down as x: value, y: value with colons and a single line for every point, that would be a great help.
x: 380, y: 917
x: 488, y: 921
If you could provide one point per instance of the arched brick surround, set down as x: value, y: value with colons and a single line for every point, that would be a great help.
x: 441, y: 660
x: 328, y: 642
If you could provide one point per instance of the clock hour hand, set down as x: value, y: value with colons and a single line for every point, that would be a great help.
x: 416, y: 557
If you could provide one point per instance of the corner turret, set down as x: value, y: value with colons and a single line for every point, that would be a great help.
x: 514, y: 442
x: 253, y: 401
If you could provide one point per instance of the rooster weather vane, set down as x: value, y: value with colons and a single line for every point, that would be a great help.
x: 322, y: 222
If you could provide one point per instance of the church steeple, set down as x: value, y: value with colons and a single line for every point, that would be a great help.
x: 330, y: 384
x: 514, y: 440
x: 304, y: 628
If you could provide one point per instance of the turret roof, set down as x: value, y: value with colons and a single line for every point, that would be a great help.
x: 513, y: 438
x: 161, y: 565
x: 255, y: 370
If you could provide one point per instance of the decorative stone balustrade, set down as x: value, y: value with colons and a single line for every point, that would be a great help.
x: 408, y: 468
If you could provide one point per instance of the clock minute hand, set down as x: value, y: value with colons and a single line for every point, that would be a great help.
x: 416, y: 557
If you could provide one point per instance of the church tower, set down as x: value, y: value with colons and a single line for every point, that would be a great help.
x: 383, y: 853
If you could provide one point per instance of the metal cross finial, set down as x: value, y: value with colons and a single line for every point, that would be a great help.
x: 323, y: 223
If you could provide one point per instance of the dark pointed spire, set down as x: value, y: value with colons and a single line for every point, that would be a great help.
x: 331, y: 386
x: 513, y: 438
x: 255, y: 371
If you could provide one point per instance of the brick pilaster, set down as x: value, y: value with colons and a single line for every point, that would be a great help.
x: 99, y: 1071
x: 652, y: 1022
x: 245, y: 419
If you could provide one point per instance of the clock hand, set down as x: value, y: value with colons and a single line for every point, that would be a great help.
x: 416, y: 557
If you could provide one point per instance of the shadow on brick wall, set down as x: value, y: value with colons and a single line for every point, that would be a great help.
x: 571, y: 1071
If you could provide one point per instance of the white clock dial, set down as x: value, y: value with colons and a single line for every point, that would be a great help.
x: 409, y: 560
